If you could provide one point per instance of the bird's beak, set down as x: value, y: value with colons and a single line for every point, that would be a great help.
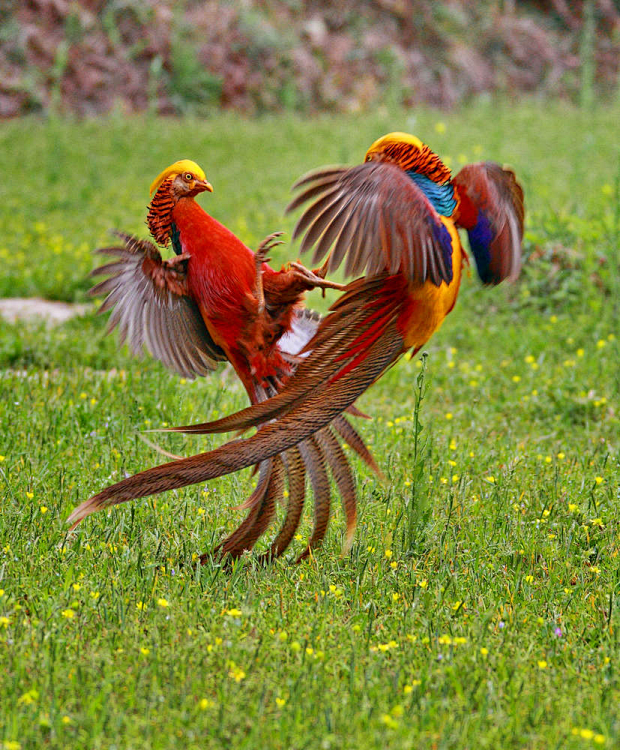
x: 202, y: 185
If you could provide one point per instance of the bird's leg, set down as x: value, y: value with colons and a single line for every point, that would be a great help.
x: 177, y: 260
x: 315, y: 278
x: 260, y: 257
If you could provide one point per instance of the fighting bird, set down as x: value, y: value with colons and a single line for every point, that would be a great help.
x: 394, y: 219
x: 215, y: 300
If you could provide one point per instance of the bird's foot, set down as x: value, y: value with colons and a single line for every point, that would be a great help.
x: 315, y: 278
x: 265, y: 247
x: 260, y: 257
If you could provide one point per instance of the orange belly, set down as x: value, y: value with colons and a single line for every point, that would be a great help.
x: 429, y: 303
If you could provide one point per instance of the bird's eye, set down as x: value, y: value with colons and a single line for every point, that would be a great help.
x: 188, y: 176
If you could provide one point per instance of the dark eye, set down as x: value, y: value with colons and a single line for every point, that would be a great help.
x: 188, y: 176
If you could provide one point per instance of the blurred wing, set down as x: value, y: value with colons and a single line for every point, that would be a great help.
x: 148, y: 307
x: 376, y: 217
x: 492, y: 211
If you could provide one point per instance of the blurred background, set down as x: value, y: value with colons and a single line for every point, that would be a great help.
x: 91, y: 57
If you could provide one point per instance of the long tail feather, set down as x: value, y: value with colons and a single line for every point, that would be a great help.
x: 264, y: 513
x: 343, y: 362
x: 296, y: 474
x: 353, y: 439
x: 341, y: 471
x: 315, y: 465
x: 255, y: 502
x: 300, y: 423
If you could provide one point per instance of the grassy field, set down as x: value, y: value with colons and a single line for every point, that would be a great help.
x: 477, y: 608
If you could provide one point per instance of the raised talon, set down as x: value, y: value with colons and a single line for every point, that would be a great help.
x: 311, y: 277
x: 268, y: 244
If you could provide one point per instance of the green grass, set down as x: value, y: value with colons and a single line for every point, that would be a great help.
x: 477, y: 608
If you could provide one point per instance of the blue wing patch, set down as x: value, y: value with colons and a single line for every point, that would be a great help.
x: 441, y: 196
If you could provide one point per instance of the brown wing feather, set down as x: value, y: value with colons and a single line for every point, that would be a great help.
x: 376, y: 216
x: 149, y: 311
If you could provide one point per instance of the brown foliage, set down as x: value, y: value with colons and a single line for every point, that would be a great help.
x: 89, y: 56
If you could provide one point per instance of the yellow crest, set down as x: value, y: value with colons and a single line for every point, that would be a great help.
x: 409, y: 153
x: 183, y: 165
x: 392, y: 139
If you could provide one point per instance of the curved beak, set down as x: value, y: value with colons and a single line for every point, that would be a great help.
x: 202, y: 185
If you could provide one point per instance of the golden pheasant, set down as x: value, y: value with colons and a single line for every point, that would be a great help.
x: 216, y: 300
x: 395, y: 219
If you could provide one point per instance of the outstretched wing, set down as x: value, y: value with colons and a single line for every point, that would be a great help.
x: 492, y: 211
x: 148, y: 305
x: 377, y: 217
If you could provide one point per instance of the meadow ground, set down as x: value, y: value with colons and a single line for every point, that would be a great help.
x: 477, y: 608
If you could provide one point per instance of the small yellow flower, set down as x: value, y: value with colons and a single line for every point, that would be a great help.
x: 95, y: 595
x: 529, y: 579
x: 542, y: 664
x: 595, y: 569
x: 204, y: 703
x: 484, y: 651
x: 67, y: 720
x: 11, y: 745
x: 163, y: 602
x: 601, y: 343
x: 599, y: 739
x: 516, y: 378
x: 388, y: 553
x: 76, y: 586
x: 29, y: 698
x: 4, y: 621
x: 553, y: 319
x: 234, y: 612
x: 2, y: 458
x: 295, y: 646
x: 43, y: 509
x: 69, y: 614
x: 423, y: 583
x: 236, y: 673
x: 389, y: 721
x: 491, y: 479
x: 145, y: 651
x: 29, y: 495
x: 280, y: 702
x: 599, y: 480
x: 140, y: 606
x: 449, y: 415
